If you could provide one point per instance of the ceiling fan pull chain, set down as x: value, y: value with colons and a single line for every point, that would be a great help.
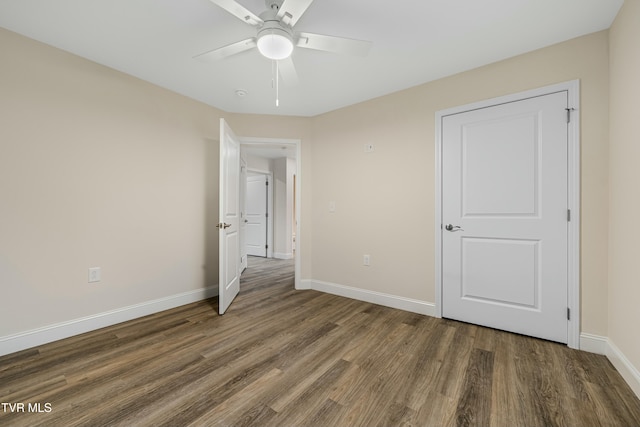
x: 277, y: 85
x: 273, y: 69
x: 274, y: 79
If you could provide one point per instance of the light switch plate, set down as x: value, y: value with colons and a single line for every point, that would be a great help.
x: 94, y: 274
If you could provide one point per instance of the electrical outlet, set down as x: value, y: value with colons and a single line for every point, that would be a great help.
x: 332, y: 206
x: 366, y: 260
x: 94, y: 274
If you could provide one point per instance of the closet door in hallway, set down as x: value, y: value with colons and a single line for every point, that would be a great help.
x: 257, y: 214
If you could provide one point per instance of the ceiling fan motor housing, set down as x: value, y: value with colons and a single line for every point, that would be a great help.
x: 275, y: 40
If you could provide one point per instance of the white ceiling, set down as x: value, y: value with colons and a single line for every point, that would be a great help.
x: 270, y: 150
x: 414, y: 41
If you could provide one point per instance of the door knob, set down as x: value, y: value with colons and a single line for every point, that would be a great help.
x: 223, y: 225
x: 452, y: 228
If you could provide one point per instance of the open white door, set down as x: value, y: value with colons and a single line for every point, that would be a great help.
x: 229, y: 219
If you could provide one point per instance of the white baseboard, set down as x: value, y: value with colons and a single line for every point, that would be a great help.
x: 304, y: 284
x: 629, y: 372
x: 603, y: 345
x: 593, y: 343
x: 387, y: 300
x: 282, y: 255
x: 35, y: 337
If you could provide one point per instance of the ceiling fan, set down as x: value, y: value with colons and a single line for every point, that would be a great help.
x: 275, y: 36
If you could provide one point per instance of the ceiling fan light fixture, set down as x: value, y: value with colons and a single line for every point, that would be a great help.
x: 275, y: 43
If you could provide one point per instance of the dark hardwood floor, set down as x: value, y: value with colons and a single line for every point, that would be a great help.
x: 281, y: 357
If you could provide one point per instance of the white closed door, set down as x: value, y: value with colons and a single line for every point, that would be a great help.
x: 229, y: 218
x: 257, y: 215
x: 504, y: 214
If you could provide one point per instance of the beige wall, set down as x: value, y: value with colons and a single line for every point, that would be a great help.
x: 624, y: 176
x: 101, y: 169
x: 385, y: 199
x: 98, y: 168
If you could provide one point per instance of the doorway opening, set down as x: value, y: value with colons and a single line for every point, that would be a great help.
x: 273, y: 212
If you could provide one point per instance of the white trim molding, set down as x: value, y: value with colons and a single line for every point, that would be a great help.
x: 603, y: 345
x: 282, y: 255
x: 573, y: 197
x: 387, y: 300
x: 303, y: 284
x: 36, y: 337
x: 593, y: 343
x: 629, y: 372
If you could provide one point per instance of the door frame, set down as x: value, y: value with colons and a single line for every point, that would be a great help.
x: 243, y: 213
x: 573, y: 171
x: 298, y: 197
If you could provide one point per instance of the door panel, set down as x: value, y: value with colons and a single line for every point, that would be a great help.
x: 502, y: 271
x: 489, y: 155
x: 504, y: 184
x: 229, y: 250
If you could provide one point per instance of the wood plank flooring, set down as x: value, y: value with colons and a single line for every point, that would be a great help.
x: 281, y: 357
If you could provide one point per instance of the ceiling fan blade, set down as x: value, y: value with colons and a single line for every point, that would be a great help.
x: 225, y: 51
x: 239, y: 11
x: 292, y: 10
x: 288, y: 72
x: 333, y: 44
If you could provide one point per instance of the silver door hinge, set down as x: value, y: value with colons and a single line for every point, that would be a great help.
x: 568, y: 215
x: 568, y: 313
x: 569, y: 110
